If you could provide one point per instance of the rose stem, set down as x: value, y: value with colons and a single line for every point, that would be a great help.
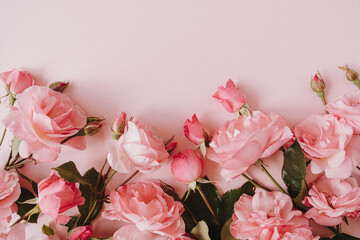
x: 20, y: 163
x: 2, y: 138
x: 358, y: 168
x: 191, y: 214
x: 91, y: 211
x: 101, y: 170
x: 262, y: 168
x: 129, y: 178
x: 198, y: 187
x: 338, y: 228
x: 255, y: 183
x: 8, y: 161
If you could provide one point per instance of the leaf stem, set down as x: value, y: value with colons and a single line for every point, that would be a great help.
x: 255, y: 183
x: 198, y: 187
x: 19, y: 164
x: 262, y: 168
x: 2, y: 137
x: 129, y: 178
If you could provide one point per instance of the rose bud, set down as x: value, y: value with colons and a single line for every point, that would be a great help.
x: 187, y: 167
x: 170, y: 147
x: 93, y: 125
x: 81, y: 233
x: 351, y: 75
x: 59, y: 86
x: 230, y: 97
x: 118, y: 126
x: 317, y: 83
x: 16, y: 81
x: 195, y: 131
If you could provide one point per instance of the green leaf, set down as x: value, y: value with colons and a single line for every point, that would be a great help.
x: 225, y: 232
x: 344, y: 236
x: 69, y: 172
x: 32, y: 182
x: 294, y: 169
x: 15, y: 147
x: 201, y: 231
x: 47, y: 230
x: 198, y: 208
x: 230, y: 197
x: 72, y: 223
x: 24, y: 208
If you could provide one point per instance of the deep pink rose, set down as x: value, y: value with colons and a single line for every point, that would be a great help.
x: 42, y: 120
x: 9, y: 193
x: 17, y: 80
x: 149, y: 208
x: 268, y: 216
x: 138, y: 147
x: 187, y: 167
x: 194, y: 130
x: 15, y: 233
x: 330, y: 144
x: 347, y: 107
x: 332, y: 198
x: 56, y: 196
x: 230, y: 97
x: 241, y: 142
x: 81, y: 233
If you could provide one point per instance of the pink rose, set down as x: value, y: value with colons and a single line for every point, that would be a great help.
x: 230, y: 97
x: 187, y: 167
x: 56, y: 196
x: 149, y: 208
x: 15, y: 233
x: 138, y: 147
x: 332, y: 198
x: 195, y: 131
x: 17, y: 80
x: 9, y: 193
x: 268, y: 216
x: 330, y: 144
x: 241, y: 142
x: 42, y: 120
x: 131, y: 232
x: 81, y: 233
x: 347, y: 107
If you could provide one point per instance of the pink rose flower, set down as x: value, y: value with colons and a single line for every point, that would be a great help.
x: 230, y: 97
x: 347, y: 107
x: 187, y: 167
x: 149, y: 208
x: 268, y: 216
x: 81, y: 233
x: 241, y: 142
x: 56, y: 196
x: 17, y: 80
x: 15, y: 233
x: 194, y: 130
x: 42, y: 120
x: 332, y: 198
x: 131, y: 232
x: 9, y: 193
x: 330, y: 144
x: 138, y: 147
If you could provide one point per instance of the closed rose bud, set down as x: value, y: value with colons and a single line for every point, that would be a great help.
x: 170, y: 147
x: 59, y: 86
x: 187, y: 167
x: 16, y: 81
x: 230, y: 97
x: 93, y: 125
x: 118, y: 126
x: 351, y: 75
x: 81, y: 233
x: 317, y: 83
x: 195, y: 131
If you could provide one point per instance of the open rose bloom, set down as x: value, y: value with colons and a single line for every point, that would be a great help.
x: 268, y: 216
x: 146, y: 206
x: 139, y: 147
x: 42, y: 119
x: 331, y: 199
x: 330, y: 144
x: 241, y: 142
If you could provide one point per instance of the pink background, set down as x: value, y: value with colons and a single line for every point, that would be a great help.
x: 161, y: 61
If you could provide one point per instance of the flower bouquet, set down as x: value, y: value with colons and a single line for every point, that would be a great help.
x: 320, y: 156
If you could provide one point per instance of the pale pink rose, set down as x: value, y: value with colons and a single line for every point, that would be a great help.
x: 138, y: 147
x: 42, y: 120
x: 81, y: 233
x: 149, y: 208
x: 347, y: 107
x: 332, y: 198
x: 268, y: 216
x: 187, y: 167
x: 329, y: 144
x: 17, y: 80
x: 241, y: 142
x: 230, y: 97
x: 56, y: 196
x: 15, y: 233
x: 9, y: 193
x: 131, y: 232
x: 194, y: 130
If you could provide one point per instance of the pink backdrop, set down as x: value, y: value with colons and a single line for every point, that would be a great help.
x: 161, y: 61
